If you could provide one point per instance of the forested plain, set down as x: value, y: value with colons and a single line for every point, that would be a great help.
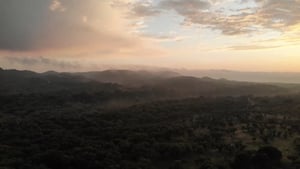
x: 142, y: 120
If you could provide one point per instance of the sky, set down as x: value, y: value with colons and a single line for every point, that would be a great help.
x: 84, y: 35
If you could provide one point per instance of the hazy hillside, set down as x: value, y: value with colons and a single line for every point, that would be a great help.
x: 128, y: 77
x: 142, y: 83
x: 274, y: 77
x: 191, y: 86
x: 144, y: 120
x: 26, y: 82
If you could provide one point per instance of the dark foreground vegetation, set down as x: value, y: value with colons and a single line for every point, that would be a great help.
x: 78, y: 124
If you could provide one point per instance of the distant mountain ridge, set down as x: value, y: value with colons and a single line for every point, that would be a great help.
x: 135, y: 83
x: 26, y: 82
x: 264, y: 77
x: 128, y: 77
x: 193, y: 86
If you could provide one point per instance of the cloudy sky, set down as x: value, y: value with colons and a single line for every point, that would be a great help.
x: 79, y: 35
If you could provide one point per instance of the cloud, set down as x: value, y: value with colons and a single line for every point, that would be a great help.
x: 137, y: 9
x: 185, y: 7
x: 117, y: 28
x: 56, y: 5
x: 171, y: 36
x: 251, y: 47
x: 144, y: 9
x: 40, y: 62
x: 21, y: 22
x: 74, y: 26
x: 278, y: 14
x: 203, y: 13
x: 229, y: 17
x: 29, y: 25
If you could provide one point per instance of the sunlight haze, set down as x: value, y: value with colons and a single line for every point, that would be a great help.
x: 77, y: 35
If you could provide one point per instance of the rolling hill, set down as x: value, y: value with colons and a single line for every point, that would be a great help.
x: 141, y: 83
